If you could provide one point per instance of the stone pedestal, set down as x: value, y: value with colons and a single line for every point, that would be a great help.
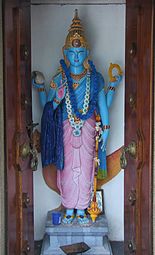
x: 94, y: 235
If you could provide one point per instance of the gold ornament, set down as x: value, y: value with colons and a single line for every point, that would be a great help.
x: 114, y: 66
x: 78, y: 77
x: 53, y: 85
x: 75, y: 85
x: 94, y: 210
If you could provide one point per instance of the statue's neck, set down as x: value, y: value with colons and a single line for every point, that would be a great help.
x: 76, y: 69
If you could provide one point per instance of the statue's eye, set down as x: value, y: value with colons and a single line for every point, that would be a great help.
x: 71, y: 53
x: 81, y: 52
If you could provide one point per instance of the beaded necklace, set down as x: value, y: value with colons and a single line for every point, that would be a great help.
x: 75, y: 123
x: 71, y: 104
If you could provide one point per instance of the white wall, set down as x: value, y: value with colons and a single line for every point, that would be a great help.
x: 105, y: 30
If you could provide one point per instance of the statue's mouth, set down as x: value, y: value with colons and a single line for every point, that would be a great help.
x: 76, y: 60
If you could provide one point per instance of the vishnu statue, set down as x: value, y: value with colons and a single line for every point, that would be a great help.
x: 76, y: 95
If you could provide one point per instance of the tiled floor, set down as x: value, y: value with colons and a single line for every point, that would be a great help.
x: 117, y: 248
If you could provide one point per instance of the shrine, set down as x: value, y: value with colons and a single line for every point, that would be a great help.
x: 76, y: 95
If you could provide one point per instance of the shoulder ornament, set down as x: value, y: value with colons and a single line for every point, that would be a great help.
x: 53, y: 85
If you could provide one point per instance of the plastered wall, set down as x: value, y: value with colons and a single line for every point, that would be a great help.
x: 105, y: 29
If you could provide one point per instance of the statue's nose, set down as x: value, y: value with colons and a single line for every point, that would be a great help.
x: 76, y: 57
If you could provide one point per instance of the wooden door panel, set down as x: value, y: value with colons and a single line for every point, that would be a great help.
x: 138, y: 126
x: 17, y: 50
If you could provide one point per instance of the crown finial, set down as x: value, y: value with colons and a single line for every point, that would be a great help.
x: 76, y: 14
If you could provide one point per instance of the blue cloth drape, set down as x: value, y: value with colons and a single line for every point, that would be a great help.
x: 52, y: 151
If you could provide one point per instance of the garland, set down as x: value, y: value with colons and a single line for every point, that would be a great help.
x: 93, y: 102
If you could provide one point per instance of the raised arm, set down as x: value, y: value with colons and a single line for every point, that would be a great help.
x: 38, y: 82
x: 104, y: 112
x: 111, y: 90
x: 56, y: 91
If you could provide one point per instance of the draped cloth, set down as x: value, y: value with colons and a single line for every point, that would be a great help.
x: 52, y: 150
x: 76, y: 180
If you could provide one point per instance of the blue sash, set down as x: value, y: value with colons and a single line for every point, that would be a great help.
x: 52, y: 150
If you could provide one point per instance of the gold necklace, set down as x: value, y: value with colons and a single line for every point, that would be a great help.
x: 75, y: 85
x: 78, y: 77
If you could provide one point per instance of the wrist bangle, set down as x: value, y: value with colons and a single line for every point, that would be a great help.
x: 111, y: 88
x: 105, y: 127
x: 56, y: 101
x: 41, y: 89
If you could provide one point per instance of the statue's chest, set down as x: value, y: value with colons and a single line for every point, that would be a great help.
x: 82, y: 89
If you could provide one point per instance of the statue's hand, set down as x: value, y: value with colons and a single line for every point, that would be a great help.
x: 38, y: 79
x: 118, y: 80
x: 104, y: 139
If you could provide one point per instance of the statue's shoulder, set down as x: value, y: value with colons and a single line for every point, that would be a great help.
x: 56, y: 80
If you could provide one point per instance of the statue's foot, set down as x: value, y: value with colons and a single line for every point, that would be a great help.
x: 68, y: 219
x: 83, y: 220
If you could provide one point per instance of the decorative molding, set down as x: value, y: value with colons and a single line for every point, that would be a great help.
x: 75, y: 2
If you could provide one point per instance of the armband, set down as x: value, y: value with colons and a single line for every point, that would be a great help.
x: 111, y: 88
x: 41, y: 89
x: 56, y: 101
x: 53, y: 85
x: 105, y: 127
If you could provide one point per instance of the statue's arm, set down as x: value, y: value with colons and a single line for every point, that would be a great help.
x: 111, y: 90
x: 104, y: 112
x: 55, y: 93
x: 38, y: 82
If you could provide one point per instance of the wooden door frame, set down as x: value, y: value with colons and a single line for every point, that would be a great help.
x: 18, y: 119
x: 139, y: 94
x: 150, y: 198
x: 2, y: 168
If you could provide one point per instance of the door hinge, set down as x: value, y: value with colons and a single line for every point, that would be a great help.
x: 131, y: 246
x: 132, y: 197
x: 26, y: 249
x: 26, y: 200
x: 25, y: 102
x: 24, y: 52
x: 132, y: 102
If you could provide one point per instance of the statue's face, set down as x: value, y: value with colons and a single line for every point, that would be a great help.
x: 76, y: 56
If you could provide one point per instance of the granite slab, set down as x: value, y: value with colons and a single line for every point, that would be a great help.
x: 94, y: 235
x: 98, y: 228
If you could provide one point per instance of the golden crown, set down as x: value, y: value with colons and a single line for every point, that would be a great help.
x: 76, y: 37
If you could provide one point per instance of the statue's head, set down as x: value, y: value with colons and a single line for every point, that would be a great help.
x: 76, y: 48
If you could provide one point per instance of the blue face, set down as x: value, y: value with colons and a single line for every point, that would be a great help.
x: 76, y: 56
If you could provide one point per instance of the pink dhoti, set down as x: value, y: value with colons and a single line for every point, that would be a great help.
x: 76, y: 179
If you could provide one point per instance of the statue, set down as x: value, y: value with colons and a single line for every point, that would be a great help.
x: 76, y: 96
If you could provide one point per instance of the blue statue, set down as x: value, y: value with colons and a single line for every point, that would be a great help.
x: 76, y: 95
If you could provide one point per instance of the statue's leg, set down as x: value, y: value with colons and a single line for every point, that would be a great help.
x: 82, y: 217
x: 68, y: 217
